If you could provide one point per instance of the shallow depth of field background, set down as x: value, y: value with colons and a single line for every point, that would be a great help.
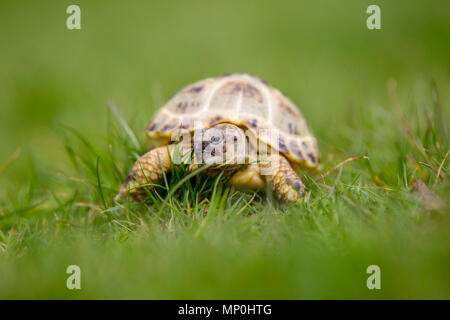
x: 352, y: 84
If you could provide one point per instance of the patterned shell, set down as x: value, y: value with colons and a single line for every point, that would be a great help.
x: 243, y: 100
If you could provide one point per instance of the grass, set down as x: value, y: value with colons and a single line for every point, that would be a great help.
x: 381, y: 94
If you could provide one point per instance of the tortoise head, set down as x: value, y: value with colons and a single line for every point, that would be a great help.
x: 222, y: 144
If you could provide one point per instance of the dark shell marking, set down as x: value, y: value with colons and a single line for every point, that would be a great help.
x: 312, y: 158
x: 232, y: 87
x: 286, y: 106
x: 296, y: 150
x: 152, y: 126
x: 181, y: 106
x: 253, y: 92
x: 253, y: 123
x: 310, y: 155
x: 215, y: 120
x: 169, y: 126
x: 293, y: 128
x: 196, y: 89
x: 186, y: 106
x: 282, y: 145
x: 250, y: 91
x: 264, y: 81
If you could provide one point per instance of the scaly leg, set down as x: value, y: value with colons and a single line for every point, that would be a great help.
x: 148, y: 169
x: 285, y: 182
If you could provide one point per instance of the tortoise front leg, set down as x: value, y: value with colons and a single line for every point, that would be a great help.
x: 148, y: 169
x: 285, y: 182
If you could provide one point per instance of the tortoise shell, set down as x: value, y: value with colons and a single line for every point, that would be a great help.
x: 244, y: 100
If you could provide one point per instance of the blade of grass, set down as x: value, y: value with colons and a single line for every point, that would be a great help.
x: 180, y: 183
x: 99, y: 184
x: 124, y: 125
x: 10, y: 160
x: 440, y: 168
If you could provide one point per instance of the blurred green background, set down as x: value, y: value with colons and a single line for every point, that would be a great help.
x: 139, y: 53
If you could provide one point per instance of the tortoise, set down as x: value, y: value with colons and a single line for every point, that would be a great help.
x: 223, y: 109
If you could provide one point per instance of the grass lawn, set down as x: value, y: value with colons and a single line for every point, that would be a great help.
x: 383, y: 94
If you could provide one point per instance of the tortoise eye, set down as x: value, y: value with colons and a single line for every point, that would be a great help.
x: 216, y: 139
